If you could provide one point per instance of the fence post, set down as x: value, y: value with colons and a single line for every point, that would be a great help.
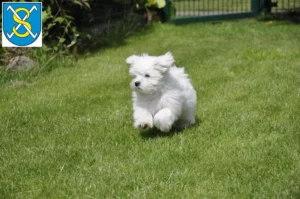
x: 166, y: 10
x: 255, y: 7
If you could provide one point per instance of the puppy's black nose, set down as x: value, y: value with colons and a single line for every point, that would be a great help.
x: 137, y: 83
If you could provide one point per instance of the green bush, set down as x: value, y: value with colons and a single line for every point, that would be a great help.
x: 82, y: 24
x: 86, y: 24
x: 60, y: 22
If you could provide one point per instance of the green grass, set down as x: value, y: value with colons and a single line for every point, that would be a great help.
x: 69, y: 133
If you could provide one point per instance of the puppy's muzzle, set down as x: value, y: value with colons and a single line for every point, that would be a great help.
x: 137, y: 83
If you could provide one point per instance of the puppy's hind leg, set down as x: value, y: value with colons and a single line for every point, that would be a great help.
x: 187, y: 118
x: 164, y: 119
x: 184, y: 123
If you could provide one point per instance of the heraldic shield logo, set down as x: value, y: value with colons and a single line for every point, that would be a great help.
x: 22, y: 24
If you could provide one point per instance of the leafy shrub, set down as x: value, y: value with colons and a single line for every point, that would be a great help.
x: 69, y: 25
x: 72, y: 24
x: 60, y: 22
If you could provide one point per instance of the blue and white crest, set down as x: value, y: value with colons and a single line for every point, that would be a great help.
x: 22, y: 24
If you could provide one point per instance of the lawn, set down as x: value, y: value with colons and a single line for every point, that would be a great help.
x: 69, y: 133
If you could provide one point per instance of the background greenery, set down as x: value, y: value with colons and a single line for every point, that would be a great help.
x: 70, y: 27
x: 69, y: 133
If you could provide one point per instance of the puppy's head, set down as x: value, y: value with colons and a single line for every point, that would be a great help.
x: 148, y: 71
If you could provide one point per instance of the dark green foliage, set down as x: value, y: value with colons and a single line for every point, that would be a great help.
x: 68, y: 25
x: 79, y: 25
x: 60, y: 21
x: 82, y: 23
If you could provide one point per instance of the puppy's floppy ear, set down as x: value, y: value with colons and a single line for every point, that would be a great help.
x: 131, y: 59
x: 165, y: 61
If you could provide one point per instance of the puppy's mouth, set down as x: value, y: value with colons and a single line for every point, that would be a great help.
x: 144, y: 91
x: 137, y: 88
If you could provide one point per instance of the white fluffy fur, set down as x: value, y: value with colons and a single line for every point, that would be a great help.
x: 163, y: 95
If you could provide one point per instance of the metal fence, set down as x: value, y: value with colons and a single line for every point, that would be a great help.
x: 184, y: 11
x: 210, y: 7
x: 282, y: 6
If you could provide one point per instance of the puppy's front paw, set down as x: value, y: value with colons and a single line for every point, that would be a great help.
x: 143, y: 125
x: 162, y: 122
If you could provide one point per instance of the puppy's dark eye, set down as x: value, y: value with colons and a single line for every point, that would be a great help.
x: 147, y: 75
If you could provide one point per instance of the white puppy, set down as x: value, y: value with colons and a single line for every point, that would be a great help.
x: 163, y: 95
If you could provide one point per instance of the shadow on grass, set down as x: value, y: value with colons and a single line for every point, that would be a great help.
x: 155, y: 133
